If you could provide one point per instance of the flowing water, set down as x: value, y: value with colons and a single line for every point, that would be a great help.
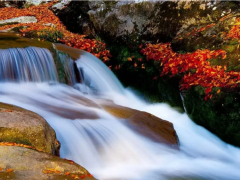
x: 105, y: 146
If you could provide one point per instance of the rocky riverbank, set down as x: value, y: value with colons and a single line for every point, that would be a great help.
x: 29, y: 148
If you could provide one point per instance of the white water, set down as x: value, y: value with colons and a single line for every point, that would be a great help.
x: 27, y: 64
x: 112, y: 151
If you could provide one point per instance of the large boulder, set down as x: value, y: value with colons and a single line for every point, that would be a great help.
x: 22, y: 163
x: 147, y: 20
x: 145, y: 124
x: 21, y: 126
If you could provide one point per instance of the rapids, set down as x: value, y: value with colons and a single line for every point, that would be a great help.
x: 106, y: 147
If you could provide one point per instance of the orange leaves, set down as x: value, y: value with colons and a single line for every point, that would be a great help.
x: 195, y: 31
x: 129, y: 59
x: 47, y: 21
x: 67, y: 173
x: 8, y: 170
x: 15, y: 144
x: 6, y: 110
x: 51, y: 171
x: 194, y: 66
x: 225, y: 17
x: 234, y: 33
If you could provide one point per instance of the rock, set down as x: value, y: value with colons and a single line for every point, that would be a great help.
x: 13, y: 40
x: 60, y: 6
x: 22, y: 19
x: 145, y: 124
x: 14, y: 3
x: 75, y: 17
x: 22, y: 163
x: 121, y: 18
x: 35, y: 2
x: 25, y: 127
x: 50, y: 24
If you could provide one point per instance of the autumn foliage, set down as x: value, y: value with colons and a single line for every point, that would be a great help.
x: 195, y: 31
x: 194, y: 67
x: 16, y: 144
x: 47, y: 21
x: 234, y: 33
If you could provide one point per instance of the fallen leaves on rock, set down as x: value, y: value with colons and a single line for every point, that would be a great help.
x: 19, y: 145
x: 45, y: 16
x: 6, y: 110
x: 72, y: 175
x: 7, y: 170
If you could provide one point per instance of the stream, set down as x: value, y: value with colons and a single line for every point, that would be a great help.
x: 105, y: 146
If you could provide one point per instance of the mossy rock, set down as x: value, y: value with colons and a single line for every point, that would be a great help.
x: 31, y: 164
x: 13, y: 40
x: 21, y: 126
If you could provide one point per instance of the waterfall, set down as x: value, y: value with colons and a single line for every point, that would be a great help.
x: 27, y: 64
x: 96, y: 76
x: 104, y: 145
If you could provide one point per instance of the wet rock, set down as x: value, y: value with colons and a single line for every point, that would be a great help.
x: 22, y: 163
x: 21, y: 126
x: 145, y: 124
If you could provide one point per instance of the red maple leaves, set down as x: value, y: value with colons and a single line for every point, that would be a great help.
x: 47, y: 21
x: 194, y: 67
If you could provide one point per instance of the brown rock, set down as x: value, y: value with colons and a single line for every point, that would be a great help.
x: 21, y: 163
x: 145, y: 124
x: 25, y: 127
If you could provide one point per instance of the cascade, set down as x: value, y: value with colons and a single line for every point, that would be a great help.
x: 96, y: 75
x: 27, y: 64
x: 105, y: 146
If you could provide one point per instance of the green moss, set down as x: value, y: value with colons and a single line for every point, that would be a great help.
x: 16, y: 140
x: 60, y: 58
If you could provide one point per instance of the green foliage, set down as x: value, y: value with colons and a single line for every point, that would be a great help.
x: 52, y: 36
x: 46, y: 35
x: 219, y: 115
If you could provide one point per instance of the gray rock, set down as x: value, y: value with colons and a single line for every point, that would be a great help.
x: 22, y: 19
x: 35, y: 2
x: 61, y: 5
x: 121, y: 18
